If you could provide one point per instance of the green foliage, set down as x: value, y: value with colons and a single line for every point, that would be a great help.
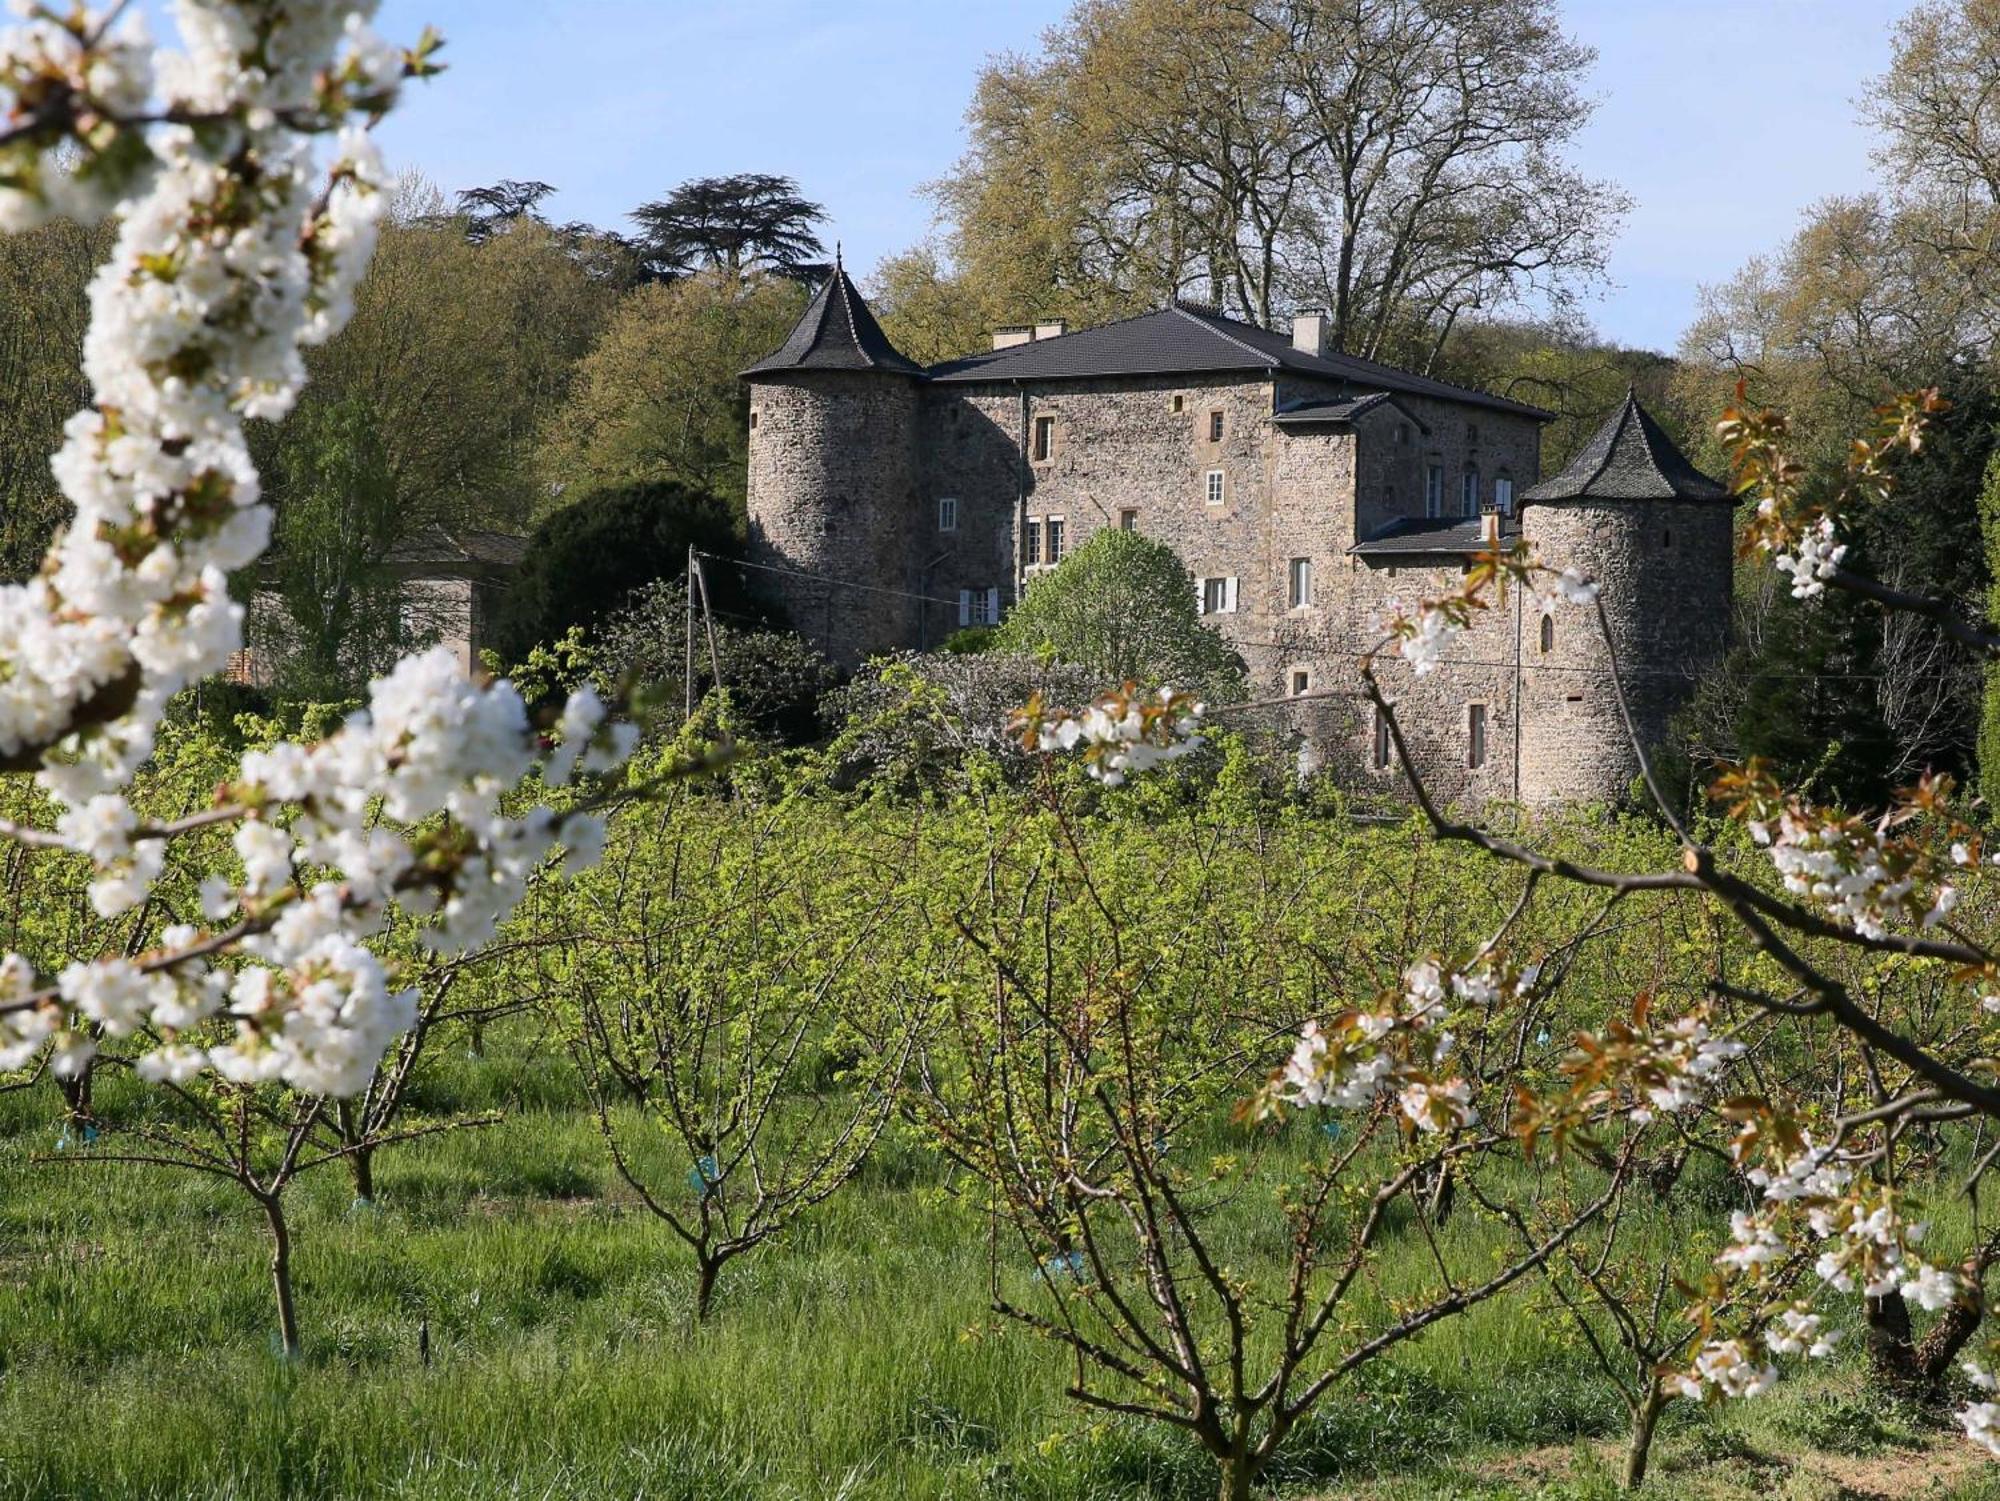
x: 586, y: 559
x: 1989, y: 706
x: 1122, y: 606
x: 339, y: 607
x: 658, y: 398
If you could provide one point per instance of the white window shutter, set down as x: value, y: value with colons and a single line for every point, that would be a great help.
x: 1201, y: 596
x: 965, y: 607
x: 1229, y: 595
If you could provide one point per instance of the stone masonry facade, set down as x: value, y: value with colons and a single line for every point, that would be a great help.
x: 1305, y: 502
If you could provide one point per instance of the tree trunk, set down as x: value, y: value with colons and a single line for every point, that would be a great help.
x: 1645, y: 1418
x: 281, y: 1276
x: 1237, y: 1473
x: 1892, y: 1353
x: 361, y: 1163
x: 704, y: 1288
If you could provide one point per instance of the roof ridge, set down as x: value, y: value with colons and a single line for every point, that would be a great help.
x: 1611, y: 448
x: 1209, y: 323
x: 841, y: 285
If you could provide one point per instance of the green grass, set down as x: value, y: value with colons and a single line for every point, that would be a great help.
x: 856, y: 1359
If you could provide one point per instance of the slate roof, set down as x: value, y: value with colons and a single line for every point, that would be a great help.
x: 1421, y: 535
x: 1308, y: 414
x: 837, y: 332
x: 435, y: 547
x: 1186, y: 340
x: 1630, y: 458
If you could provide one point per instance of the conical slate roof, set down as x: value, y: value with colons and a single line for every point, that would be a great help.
x: 837, y: 332
x: 1631, y: 458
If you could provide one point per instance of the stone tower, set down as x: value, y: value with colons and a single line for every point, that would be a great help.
x: 833, y: 477
x: 1631, y: 512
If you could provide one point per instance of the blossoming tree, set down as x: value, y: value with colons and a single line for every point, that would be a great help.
x: 247, y: 195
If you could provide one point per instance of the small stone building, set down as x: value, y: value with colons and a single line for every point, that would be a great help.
x: 452, y: 583
x: 1306, y: 490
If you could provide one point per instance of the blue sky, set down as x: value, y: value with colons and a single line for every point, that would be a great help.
x: 615, y: 101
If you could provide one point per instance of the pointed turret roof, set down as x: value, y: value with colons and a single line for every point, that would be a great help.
x: 837, y: 332
x: 1631, y: 458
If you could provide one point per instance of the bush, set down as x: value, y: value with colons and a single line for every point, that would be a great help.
x: 1122, y: 607
x: 586, y: 560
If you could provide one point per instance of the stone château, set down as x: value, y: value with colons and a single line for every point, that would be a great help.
x: 1306, y: 490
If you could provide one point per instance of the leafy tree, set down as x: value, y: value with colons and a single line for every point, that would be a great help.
x: 751, y: 221
x: 1989, y: 715
x: 44, y: 274
x: 1398, y: 162
x: 586, y: 559
x: 1123, y: 606
x: 658, y: 398
x: 929, y: 311
x: 488, y: 210
x: 333, y: 618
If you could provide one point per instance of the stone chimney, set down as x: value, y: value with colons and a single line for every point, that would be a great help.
x: 1309, y: 332
x: 1050, y: 328
x: 1489, y: 526
x: 1007, y: 338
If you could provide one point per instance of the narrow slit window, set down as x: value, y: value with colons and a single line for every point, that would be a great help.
x: 1475, y: 736
x: 1301, y: 583
x: 1381, y: 741
x: 1548, y: 634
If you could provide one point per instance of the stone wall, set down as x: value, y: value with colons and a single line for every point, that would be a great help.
x: 1663, y: 570
x: 833, y: 492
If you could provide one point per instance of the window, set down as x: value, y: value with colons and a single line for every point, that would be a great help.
x: 1301, y: 582
x: 1180, y: 403
x: 1468, y: 503
x: 1055, y: 539
x: 1381, y: 741
x: 1475, y: 735
x: 1031, y: 549
x: 753, y: 421
x: 1472, y: 432
x: 1128, y: 521
x: 1503, y: 493
x: 1666, y: 537
x: 1218, y: 596
x: 1215, y: 427
x: 979, y: 607
x: 1045, y: 439
x: 1403, y: 434
x: 1434, y: 490
x: 947, y: 514
x: 1215, y: 487
x: 1548, y: 634
x: 1302, y: 681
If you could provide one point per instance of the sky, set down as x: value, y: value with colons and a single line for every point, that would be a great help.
x: 1723, y: 119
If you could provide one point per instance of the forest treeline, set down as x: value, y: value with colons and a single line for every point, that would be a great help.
x: 1407, y: 167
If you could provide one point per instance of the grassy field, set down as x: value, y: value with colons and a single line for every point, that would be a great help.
x: 856, y: 1359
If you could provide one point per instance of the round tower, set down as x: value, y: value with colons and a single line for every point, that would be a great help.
x: 1656, y: 534
x: 833, y: 503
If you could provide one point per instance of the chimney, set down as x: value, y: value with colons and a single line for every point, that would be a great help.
x: 1489, y: 526
x: 1309, y: 332
x: 1050, y: 328
x: 1007, y: 338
